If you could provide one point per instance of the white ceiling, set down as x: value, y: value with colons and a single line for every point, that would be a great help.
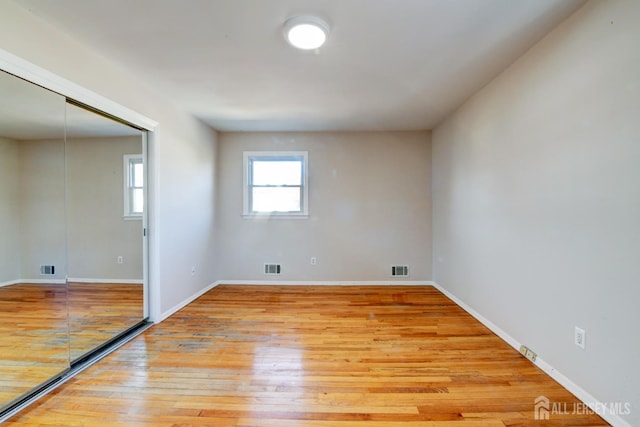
x: 387, y: 65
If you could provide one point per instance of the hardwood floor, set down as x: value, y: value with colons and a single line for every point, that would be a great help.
x: 34, y: 342
x: 44, y: 326
x: 309, y: 356
x: 100, y: 311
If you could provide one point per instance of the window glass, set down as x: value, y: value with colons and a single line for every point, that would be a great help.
x: 276, y: 199
x: 282, y: 172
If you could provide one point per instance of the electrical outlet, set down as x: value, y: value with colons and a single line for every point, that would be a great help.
x: 314, y: 261
x: 528, y: 353
x: 120, y: 260
x: 579, y: 337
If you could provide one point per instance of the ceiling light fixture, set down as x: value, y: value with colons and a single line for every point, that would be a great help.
x: 306, y: 32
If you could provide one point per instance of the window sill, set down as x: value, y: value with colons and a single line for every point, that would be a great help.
x: 265, y: 216
x: 132, y: 217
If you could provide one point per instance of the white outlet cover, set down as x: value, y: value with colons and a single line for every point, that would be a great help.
x: 580, y: 337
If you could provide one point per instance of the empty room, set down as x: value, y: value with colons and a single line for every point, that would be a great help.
x: 319, y: 213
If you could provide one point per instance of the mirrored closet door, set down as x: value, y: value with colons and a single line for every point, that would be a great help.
x: 105, y: 205
x: 34, y: 339
x: 72, y: 244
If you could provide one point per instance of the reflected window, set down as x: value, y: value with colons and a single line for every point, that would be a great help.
x: 134, y: 186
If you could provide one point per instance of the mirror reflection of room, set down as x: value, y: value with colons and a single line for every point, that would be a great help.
x: 34, y: 343
x: 105, y: 204
x: 72, y: 193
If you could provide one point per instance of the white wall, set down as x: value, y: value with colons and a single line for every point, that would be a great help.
x: 182, y: 154
x: 97, y: 232
x: 369, y: 202
x: 537, y: 202
x: 84, y: 238
x: 42, y: 212
x: 9, y: 211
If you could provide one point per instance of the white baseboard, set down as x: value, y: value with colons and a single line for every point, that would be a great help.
x: 326, y: 282
x: 578, y: 391
x: 182, y: 304
x: 45, y: 281
x: 71, y: 279
x: 185, y: 302
x: 10, y: 282
x: 34, y: 281
x: 115, y: 281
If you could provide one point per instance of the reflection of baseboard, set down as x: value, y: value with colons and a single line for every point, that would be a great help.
x: 36, y: 281
x: 71, y: 279
x: 10, y: 282
x: 94, y: 280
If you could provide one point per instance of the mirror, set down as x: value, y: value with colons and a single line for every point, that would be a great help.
x: 34, y: 344
x: 105, y: 199
x: 72, y: 250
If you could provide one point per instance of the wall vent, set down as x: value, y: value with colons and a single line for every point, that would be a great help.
x: 47, y: 270
x: 272, y: 269
x: 399, y: 270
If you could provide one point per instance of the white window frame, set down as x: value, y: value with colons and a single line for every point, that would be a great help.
x: 248, y: 156
x: 128, y: 160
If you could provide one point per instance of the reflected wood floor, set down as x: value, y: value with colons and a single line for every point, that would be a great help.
x: 100, y: 311
x: 309, y: 356
x: 34, y: 342
x: 37, y: 338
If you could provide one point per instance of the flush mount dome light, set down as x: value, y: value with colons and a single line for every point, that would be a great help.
x: 306, y: 32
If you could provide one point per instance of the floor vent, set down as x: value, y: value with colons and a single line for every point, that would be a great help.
x: 47, y: 270
x: 399, y: 270
x: 272, y: 269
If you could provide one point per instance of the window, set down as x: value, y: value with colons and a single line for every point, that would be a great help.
x: 133, y: 186
x: 275, y: 184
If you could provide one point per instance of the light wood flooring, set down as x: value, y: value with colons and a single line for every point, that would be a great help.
x: 34, y: 342
x: 100, y: 311
x: 45, y: 326
x: 286, y: 356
